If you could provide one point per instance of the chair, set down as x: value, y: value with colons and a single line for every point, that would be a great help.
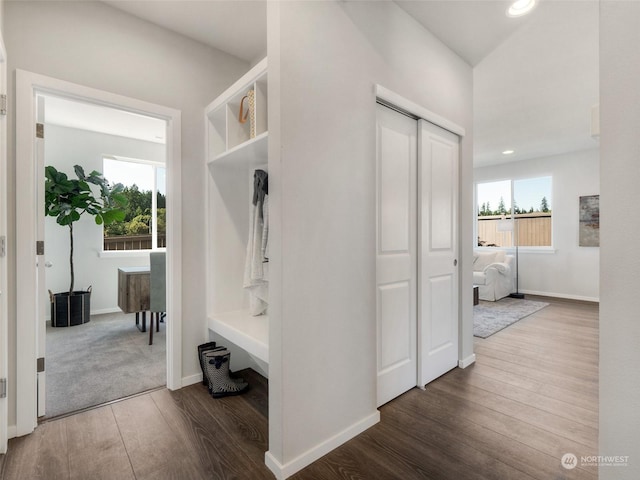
x: 493, y: 274
x: 157, y: 290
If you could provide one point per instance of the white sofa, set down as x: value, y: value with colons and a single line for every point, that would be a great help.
x: 493, y: 274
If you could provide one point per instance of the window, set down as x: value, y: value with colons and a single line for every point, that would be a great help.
x: 511, y: 211
x: 144, y: 226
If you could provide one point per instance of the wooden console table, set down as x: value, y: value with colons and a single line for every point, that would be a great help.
x: 133, y: 292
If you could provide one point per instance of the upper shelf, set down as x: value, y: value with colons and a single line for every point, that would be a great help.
x: 251, y: 153
x: 238, y: 117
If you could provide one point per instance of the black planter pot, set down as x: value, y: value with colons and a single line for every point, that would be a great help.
x: 68, y: 310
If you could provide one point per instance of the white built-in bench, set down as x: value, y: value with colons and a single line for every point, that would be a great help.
x: 244, y: 330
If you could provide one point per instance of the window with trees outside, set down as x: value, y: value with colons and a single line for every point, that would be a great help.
x: 514, y: 212
x: 144, y: 226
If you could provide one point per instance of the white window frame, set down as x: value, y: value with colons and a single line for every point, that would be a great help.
x: 525, y: 249
x: 154, y: 210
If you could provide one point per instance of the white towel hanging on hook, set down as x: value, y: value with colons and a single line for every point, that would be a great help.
x: 256, y: 278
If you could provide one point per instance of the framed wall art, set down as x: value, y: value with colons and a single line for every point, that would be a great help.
x: 589, y: 233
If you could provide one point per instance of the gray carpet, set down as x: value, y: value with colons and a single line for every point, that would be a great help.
x: 102, y: 360
x: 491, y: 317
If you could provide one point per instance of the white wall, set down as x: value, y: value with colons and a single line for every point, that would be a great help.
x: 545, y: 74
x: 324, y: 59
x: 64, y: 148
x: 619, y: 234
x: 570, y: 271
x: 93, y: 44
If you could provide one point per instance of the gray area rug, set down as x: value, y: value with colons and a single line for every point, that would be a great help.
x: 491, y: 317
x: 103, y: 360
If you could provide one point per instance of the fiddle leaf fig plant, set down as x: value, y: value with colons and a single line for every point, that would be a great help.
x: 68, y: 199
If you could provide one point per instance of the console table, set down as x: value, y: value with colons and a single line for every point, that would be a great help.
x: 133, y: 292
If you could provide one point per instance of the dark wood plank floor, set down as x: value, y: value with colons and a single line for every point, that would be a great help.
x: 531, y: 397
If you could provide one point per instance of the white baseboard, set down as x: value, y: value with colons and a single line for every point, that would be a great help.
x: 568, y: 296
x: 465, y: 362
x: 12, y: 431
x: 192, y: 379
x: 307, y: 458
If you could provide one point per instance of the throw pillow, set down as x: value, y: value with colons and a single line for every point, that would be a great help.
x: 482, y: 260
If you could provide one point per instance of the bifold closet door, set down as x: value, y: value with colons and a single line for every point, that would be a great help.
x: 438, y: 251
x: 396, y: 260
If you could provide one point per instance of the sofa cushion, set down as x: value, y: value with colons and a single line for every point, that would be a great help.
x: 482, y: 260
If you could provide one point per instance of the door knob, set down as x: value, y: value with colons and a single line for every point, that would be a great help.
x: 48, y: 264
x: 455, y: 262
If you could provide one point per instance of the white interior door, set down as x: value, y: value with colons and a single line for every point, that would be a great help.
x: 396, y: 261
x: 438, y: 247
x: 4, y: 414
x: 42, y: 297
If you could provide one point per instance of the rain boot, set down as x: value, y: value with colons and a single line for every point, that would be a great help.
x: 205, y: 347
x: 220, y: 382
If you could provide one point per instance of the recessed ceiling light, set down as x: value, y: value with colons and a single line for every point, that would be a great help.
x: 507, y: 152
x: 520, y: 7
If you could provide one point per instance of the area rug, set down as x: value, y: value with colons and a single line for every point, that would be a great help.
x: 103, y: 360
x: 491, y: 317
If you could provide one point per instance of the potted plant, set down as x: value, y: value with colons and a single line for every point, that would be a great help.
x: 67, y: 200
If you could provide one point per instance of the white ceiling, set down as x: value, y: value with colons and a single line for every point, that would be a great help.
x: 470, y: 28
x: 535, y: 77
x: 97, y: 118
x: 535, y: 91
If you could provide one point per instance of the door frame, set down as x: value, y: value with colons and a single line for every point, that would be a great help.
x: 28, y: 84
x: 398, y: 102
x: 403, y: 105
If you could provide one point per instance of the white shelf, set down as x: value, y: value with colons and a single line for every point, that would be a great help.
x: 224, y: 130
x: 246, y: 331
x: 250, y: 153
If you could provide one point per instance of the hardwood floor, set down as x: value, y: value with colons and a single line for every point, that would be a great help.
x: 531, y: 397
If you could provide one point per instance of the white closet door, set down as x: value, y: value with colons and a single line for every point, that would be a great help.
x: 438, y: 247
x: 396, y: 261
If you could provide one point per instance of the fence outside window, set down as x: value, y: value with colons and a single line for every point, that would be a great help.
x: 133, y: 242
x: 534, y: 230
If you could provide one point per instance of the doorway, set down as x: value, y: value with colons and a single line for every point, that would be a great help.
x: 106, y: 358
x: 29, y: 325
x: 417, y: 251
